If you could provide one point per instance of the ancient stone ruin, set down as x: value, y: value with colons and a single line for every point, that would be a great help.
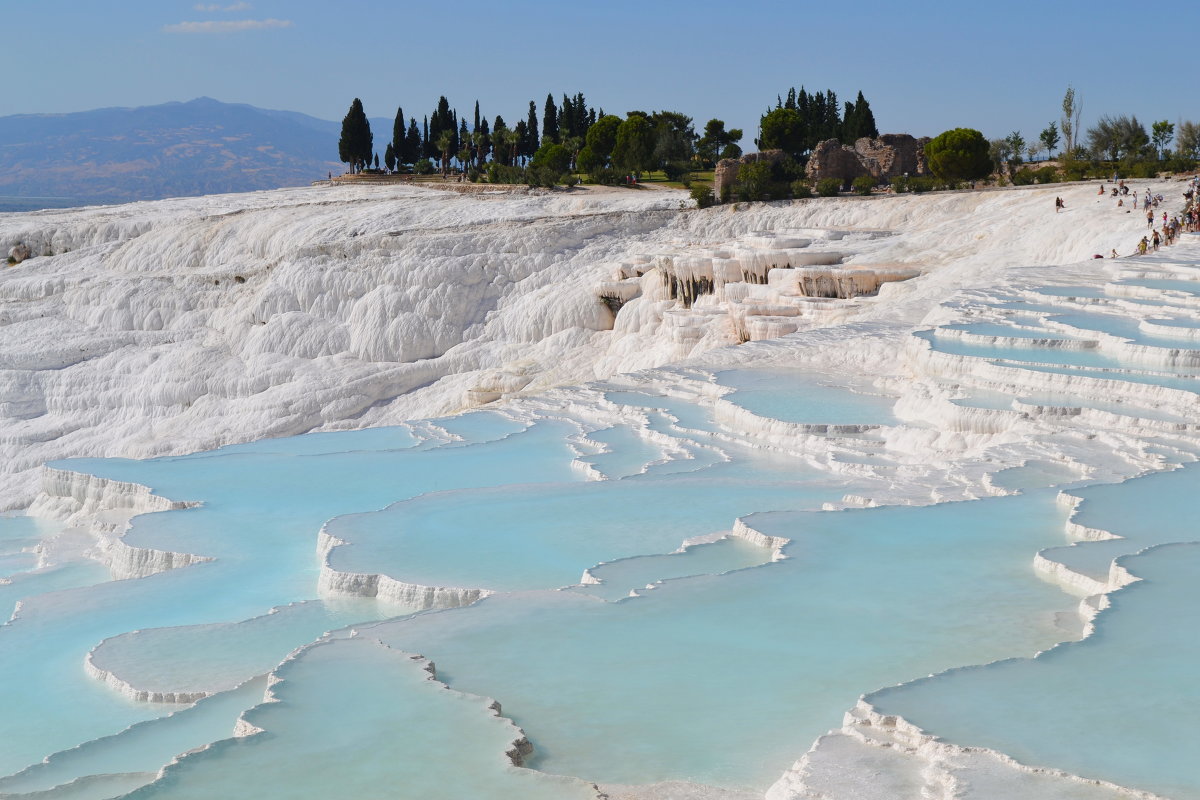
x: 727, y: 168
x: 889, y: 156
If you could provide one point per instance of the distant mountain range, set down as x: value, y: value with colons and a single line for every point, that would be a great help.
x: 117, y: 155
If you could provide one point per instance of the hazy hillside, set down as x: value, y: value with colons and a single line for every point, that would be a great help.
x: 114, y: 155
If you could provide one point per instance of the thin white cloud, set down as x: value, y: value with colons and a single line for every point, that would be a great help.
x: 214, y: 7
x: 227, y: 26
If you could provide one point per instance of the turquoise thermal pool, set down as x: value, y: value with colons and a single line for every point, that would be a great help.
x: 677, y: 577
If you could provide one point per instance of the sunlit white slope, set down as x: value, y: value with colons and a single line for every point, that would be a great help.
x: 179, y: 325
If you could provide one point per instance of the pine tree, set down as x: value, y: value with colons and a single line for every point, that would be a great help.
x: 549, y: 121
x: 356, y: 144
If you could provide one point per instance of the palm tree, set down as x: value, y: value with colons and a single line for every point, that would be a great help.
x: 444, y: 142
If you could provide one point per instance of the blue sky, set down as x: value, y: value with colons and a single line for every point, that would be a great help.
x: 924, y: 66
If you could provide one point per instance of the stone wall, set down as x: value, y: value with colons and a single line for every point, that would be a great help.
x: 727, y: 168
x: 889, y: 156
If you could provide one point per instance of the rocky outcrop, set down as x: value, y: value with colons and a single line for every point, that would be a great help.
x: 18, y: 253
x: 727, y: 168
x: 889, y: 156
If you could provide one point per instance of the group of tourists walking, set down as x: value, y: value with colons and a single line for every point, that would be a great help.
x: 1187, y: 220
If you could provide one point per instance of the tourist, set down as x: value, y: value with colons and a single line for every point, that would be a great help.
x: 1058, y: 204
x: 1155, y: 240
x: 1149, y: 215
x: 1113, y: 254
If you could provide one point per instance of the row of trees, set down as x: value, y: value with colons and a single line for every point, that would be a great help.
x: 572, y: 134
x: 1112, y: 138
x: 802, y: 121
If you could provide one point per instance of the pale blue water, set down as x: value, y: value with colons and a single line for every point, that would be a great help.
x: 1107, y: 707
x: 795, y: 396
x: 776, y: 653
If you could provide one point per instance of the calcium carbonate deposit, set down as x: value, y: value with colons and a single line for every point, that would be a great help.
x: 393, y: 492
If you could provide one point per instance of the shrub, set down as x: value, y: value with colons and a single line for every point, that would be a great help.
x: 801, y: 190
x: 676, y: 170
x: 961, y: 154
x: 921, y: 184
x: 1022, y: 177
x: 828, y: 187
x: 703, y: 195
x: 754, y: 181
x: 1047, y: 175
x: 423, y: 167
x: 726, y: 193
x: 1179, y: 164
x: 474, y: 174
x: 863, y: 185
x: 605, y: 176
x: 901, y: 184
x: 568, y: 180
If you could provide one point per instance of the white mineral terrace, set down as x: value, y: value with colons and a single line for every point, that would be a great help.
x: 679, y: 427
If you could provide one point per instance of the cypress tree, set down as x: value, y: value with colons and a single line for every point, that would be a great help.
x: 549, y: 121
x: 476, y: 128
x: 427, y: 146
x: 522, y: 133
x: 566, y: 118
x: 389, y: 157
x: 398, y: 131
x: 849, y: 125
x: 531, y: 131
x: 412, y: 144
x: 356, y: 144
x: 864, y: 117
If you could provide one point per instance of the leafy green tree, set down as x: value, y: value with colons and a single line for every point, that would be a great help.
x: 716, y: 140
x: 1118, y: 137
x: 356, y: 144
x: 633, y: 149
x: 552, y: 157
x: 602, y: 137
x: 999, y: 151
x: 960, y: 154
x: 784, y: 129
x: 1187, y: 139
x: 674, y: 137
x: 1162, y: 132
x: 1049, y: 138
x: 1016, y: 144
x: 1071, y: 111
x: 587, y: 160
